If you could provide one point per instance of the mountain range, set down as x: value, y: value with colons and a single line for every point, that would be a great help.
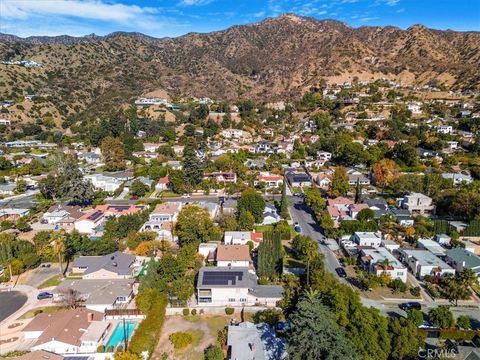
x: 276, y: 59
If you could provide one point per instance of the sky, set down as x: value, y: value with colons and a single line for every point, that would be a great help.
x: 169, y: 18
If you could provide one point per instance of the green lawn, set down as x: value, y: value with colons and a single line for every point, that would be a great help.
x: 42, y: 310
x: 291, y: 262
x: 53, y: 281
x: 263, y: 228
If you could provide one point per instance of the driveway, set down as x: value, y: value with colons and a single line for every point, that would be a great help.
x: 11, y: 302
x: 39, y: 275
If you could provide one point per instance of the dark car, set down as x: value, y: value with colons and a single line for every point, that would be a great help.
x: 410, y: 305
x: 341, y: 272
x: 298, y: 229
x: 44, y: 295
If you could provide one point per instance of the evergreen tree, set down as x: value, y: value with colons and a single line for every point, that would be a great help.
x: 246, y: 221
x: 284, y: 203
x: 192, y: 167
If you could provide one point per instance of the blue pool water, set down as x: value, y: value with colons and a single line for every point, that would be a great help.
x: 117, y: 337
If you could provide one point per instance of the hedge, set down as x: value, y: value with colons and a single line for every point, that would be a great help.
x: 185, y: 312
x: 457, y: 334
x: 148, y: 331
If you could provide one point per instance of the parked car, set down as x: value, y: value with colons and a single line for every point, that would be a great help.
x: 44, y: 295
x: 341, y: 272
x: 410, y: 305
x: 298, y: 229
x: 186, y: 196
x: 45, y: 265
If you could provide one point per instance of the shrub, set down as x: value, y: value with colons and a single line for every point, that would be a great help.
x: 194, y: 312
x: 101, y: 349
x: 109, y: 349
x: 416, y: 316
x: 398, y: 285
x: 119, y: 348
x: 463, y: 322
x: 229, y: 310
x: 202, y: 311
x: 186, y: 312
x: 458, y: 335
x: 180, y: 339
x: 415, y: 291
x: 214, y: 352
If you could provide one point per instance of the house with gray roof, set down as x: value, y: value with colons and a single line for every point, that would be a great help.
x: 460, y: 259
x: 112, y: 266
x: 228, y: 286
x: 99, y: 294
x: 248, y: 341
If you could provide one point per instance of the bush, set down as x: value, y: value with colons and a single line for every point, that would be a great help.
x: 416, y: 316
x: 186, y: 312
x: 101, y: 349
x: 463, y: 322
x: 180, y: 339
x: 458, y: 335
x: 415, y: 291
x: 441, y: 317
x: 214, y: 352
x: 202, y: 311
x: 398, y: 285
x: 194, y: 312
x: 109, y: 349
x: 229, y: 310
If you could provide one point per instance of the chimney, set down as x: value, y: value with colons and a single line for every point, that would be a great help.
x: 90, y: 317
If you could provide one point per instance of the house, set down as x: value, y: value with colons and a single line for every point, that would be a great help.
x: 270, y: 215
x: 324, y: 181
x: 403, y: 216
x: 418, y: 203
x: 380, y: 261
x: 263, y: 146
x: 221, y: 176
x: 354, y: 209
x: 249, y: 341
x: 228, y: 206
x: 255, y: 163
x: 443, y: 239
x: 174, y: 164
x: 144, y: 180
x: 7, y: 189
x: 298, y: 179
x: 90, y: 158
x: 67, y: 332
x: 432, y: 246
x: 112, y: 266
x: 367, y: 239
x: 226, y: 286
x: 211, y: 207
x: 233, y: 256
x: 378, y: 205
x: 338, y: 208
x: 166, y: 212
x: 162, y: 184
x: 324, y: 155
x: 237, y: 237
x: 444, y: 129
x: 355, y: 177
x: 99, y: 294
x: 461, y: 259
x: 151, y: 147
x: 60, y: 212
x: 91, y: 222
x: 237, y: 134
x: 162, y: 229
x: 271, y: 181
x: 104, y: 182
x: 40, y: 354
x: 423, y: 262
x: 207, y: 250
x: 415, y: 108
x: 12, y: 214
x: 458, y: 179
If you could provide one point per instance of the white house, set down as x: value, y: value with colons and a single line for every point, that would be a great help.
x: 104, y: 182
x: 458, y: 178
x: 444, y: 129
x: 423, y: 262
x: 234, y: 286
x: 418, y: 203
x: 271, y: 181
x: 68, y: 332
x: 367, y: 239
x: 380, y: 261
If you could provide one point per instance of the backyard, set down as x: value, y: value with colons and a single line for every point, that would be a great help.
x: 202, y: 329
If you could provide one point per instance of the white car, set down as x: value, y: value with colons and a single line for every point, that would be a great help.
x: 186, y: 196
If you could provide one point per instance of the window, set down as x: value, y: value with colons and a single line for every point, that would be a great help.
x: 231, y: 300
x: 243, y: 300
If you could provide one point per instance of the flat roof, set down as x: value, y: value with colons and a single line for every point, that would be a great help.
x: 427, y: 258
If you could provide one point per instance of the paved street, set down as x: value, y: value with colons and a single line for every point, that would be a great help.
x: 11, y: 302
x: 302, y: 214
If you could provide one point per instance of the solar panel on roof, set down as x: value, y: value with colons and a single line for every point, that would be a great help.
x: 222, y: 277
x: 95, y: 215
x: 120, y: 207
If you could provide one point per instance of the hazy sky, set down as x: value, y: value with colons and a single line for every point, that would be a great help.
x: 172, y: 18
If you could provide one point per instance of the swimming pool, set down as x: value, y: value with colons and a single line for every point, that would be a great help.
x: 118, y: 335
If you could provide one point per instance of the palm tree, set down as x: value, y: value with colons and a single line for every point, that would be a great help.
x: 384, y: 264
x: 58, y: 239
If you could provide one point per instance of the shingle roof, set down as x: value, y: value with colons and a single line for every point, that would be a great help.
x: 116, y: 262
x: 233, y: 253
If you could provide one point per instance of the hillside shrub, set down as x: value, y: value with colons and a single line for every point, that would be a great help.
x: 101, y: 349
x: 185, y: 312
x: 194, y: 312
x: 229, y: 310
x: 180, y: 339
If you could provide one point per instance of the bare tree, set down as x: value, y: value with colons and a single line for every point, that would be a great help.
x: 71, y: 298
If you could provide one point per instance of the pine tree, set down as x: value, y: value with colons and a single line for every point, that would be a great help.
x: 192, y: 167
